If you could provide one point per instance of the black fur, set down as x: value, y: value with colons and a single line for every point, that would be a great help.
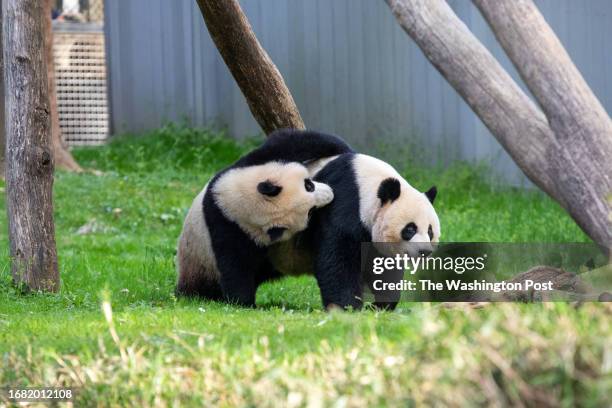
x: 268, y: 188
x: 275, y: 233
x: 242, y: 264
x: 409, y: 231
x: 206, y: 288
x: 290, y: 145
x: 389, y: 190
x: 336, y: 234
x: 431, y: 194
x: 238, y: 257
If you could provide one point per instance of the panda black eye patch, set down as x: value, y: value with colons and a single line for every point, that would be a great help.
x: 268, y: 188
x: 409, y: 231
x: 430, y: 233
x: 309, y: 185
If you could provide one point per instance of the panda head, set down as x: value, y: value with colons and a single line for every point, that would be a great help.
x: 271, y: 202
x: 406, y: 218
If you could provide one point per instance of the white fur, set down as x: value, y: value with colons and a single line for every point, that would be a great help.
x: 384, y: 222
x: 370, y: 172
x: 387, y: 221
x: 236, y: 195
x: 195, y: 253
x: 316, y: 165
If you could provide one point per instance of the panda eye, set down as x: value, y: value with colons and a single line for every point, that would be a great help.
x: 309, y: 185
x: 409, y: 231
x: 430, y: 233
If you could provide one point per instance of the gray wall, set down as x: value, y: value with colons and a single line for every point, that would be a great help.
x: 350, y: 67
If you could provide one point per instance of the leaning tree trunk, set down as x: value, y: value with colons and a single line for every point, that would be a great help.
x: 510, y: 115
x: 62, y: 156
x: 261, y: 83
x: 581, y: 125
x: 29, y: 162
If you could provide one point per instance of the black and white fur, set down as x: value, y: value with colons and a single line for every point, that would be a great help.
x: 265, y: 197
x: 372, y: 203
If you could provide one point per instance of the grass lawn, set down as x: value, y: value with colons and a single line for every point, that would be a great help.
x: 159, y: 350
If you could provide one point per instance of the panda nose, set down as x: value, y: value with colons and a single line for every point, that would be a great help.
x: 425, y: 252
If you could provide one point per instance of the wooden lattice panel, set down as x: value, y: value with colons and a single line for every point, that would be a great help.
x: 80, y: 72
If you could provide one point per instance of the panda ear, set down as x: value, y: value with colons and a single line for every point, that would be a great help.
x: 389, y: 190
x: 431, y: 194
x: 268, y: 188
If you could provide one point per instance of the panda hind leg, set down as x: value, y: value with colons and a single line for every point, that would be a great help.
x: 194, y: 280
x: 196, y: 284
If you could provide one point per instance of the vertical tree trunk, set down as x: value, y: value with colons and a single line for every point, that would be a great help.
x: 29, y: 162
x: 581, y: 125
x: 62, y: 156
x: 509, y: 114
x: 2, y: 127
x: 261, y: 83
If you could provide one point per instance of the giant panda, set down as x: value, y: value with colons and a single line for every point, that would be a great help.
x: 372, y: 203
x: 265, y: 197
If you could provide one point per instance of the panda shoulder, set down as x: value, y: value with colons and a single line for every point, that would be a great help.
x: 362, y: 163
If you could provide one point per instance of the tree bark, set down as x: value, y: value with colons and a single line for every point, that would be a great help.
x: 261, y: 83
x: 580, y: 123
x: 29, y: 161
x: 517, y: 123
x: 62, y: 156
x: 2, y: 127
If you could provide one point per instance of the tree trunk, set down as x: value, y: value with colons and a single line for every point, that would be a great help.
x: 261, y: 83
x: 581, y: 125
x: 29, y: 162
x: 62, y: 156
x: 2, y: 127
x: 516, y: 122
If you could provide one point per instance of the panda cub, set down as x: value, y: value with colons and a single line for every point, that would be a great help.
x: 372, y: 203
x: 265, y: 197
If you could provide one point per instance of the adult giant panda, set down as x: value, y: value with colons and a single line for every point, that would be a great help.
x: 267, y: 196
x: 372, y: 203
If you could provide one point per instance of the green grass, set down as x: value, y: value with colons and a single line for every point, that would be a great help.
x: 156, y: 350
